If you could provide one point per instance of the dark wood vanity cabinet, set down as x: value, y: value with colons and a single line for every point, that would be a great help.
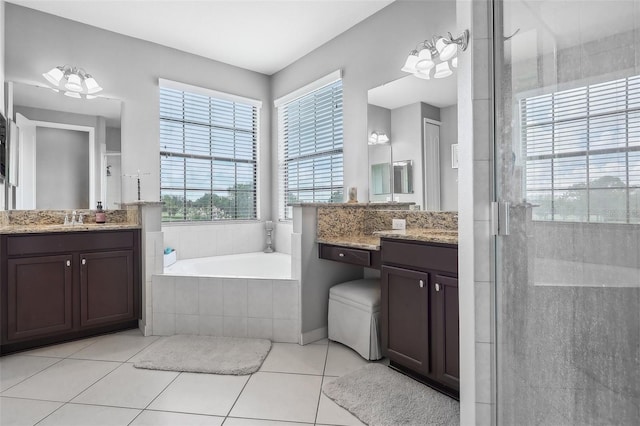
x: 62, y: 286
x: 353, y: 256
x: 419, y: 310
x: 40, y: 291
x: 106, y: 287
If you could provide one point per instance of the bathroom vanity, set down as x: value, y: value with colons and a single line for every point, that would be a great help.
x: 419, y: 311
x: 419, y: 285
x: 62, y: 283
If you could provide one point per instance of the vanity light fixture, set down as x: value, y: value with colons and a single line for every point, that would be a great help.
x: 378, y: 138
x: 73, y: 81
x: 442, y: 49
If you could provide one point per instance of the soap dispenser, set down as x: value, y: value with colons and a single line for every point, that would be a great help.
x: 100, y: 214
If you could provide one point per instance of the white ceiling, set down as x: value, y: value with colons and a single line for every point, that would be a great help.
x: 259, y: 35
x: 408, y: 90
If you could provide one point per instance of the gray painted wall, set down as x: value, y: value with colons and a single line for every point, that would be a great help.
x: 406, y: 144
x: 62, y: 164
x: 369, y: 54
x: 114, y: 139
x: 448, y: 175
x: 378, y: 119
x: 2, y: 49
x: 129, y: 69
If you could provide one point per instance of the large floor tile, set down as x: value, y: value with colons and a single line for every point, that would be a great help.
x: 15, y: 411
x: 93, y: 415
x: 16, y: 368
x: 232, y: 421
x: 115, y: 347
x: 127, y: 386
x: 330, y: 413
x: 279, y: 396
x: 63, y: 350
x: 140, y: 355
x: 293, y: 358
x: 200, y: 394
x: 62, y: 381
x: 342, y: 360
x: 165, y: 418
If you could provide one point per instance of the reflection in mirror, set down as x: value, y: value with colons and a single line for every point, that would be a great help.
x: 381, y: 179
x: 403, y: 177
x: 69, y: 150
x: 420, y: 118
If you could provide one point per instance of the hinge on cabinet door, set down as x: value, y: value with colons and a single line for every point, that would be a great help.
x: 500, y: 218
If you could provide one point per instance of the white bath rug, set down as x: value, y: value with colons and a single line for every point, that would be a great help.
x: 205, y: 354
x: 378, y: 395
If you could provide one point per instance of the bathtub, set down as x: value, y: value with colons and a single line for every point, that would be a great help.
x: 245, y: 265
x: 240, y: 295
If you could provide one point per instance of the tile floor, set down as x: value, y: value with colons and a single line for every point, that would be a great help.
x: 93, y: 382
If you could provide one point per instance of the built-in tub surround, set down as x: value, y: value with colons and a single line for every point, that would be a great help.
x: 211, y: 297
x: 36, y: 221
x: 363, y: 228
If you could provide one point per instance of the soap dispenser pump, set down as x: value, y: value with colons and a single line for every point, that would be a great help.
x: 100, y: 214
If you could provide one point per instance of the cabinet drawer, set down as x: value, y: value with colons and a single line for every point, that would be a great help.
x: 346, y: 255
x: 20, y: 245
x: 420, y: 256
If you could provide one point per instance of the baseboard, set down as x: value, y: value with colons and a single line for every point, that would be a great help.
x: 314, y: 335
x: 146, y: 331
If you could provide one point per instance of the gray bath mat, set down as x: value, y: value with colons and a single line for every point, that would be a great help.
x: 378, y: 395
x: 205, y: 354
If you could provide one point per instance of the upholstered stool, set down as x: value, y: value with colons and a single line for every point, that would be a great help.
x: 354, y: 312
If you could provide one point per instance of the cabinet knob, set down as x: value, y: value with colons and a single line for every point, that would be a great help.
x: 68, y: 263
x: 341, y: 254
x: 84, y: 261
x: 421, y: 283
x: 437, y: 287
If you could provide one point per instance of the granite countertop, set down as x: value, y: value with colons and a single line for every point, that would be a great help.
x: 367, y: 242
x: 372, y: 242
x: 38, y: 229
x: 431, y: 235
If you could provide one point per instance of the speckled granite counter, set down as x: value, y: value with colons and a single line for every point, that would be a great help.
x: 40, y: 221
x: 363, y: 228
x: 367, y: 242
x: 37, y: 229
x: 372, y: 242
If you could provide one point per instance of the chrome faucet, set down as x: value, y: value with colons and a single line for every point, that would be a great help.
x: 80, y: 222
x: 66, y: 219
x: 73, y: 218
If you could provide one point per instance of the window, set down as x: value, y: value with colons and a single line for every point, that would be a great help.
x: 310, y: 146
x: 208, y: 144
x: 582, y: 149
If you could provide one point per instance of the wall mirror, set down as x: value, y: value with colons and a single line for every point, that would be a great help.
x: 420, y: 119
x: 403, y: 177
x: 69, y: 150
x: 381, y: 179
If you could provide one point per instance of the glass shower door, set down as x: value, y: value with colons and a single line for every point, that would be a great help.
x: 567, y: 162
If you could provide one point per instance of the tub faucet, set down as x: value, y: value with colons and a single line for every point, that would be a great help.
x: 73, y: 218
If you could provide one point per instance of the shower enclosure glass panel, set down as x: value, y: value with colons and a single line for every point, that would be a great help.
x: 567, y: 160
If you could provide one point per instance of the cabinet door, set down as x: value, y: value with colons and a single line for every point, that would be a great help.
x: 39, y: 296
x: 405, y: 317
x: 445, y: 359
x: 106, y: 287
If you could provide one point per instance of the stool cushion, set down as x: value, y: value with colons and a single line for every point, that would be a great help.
x: 363, y: 293
x: 354, y: 316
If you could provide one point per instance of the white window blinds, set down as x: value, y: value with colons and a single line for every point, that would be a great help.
x: 207, y: 157
x: 582, y: 150
x: 310, y: 148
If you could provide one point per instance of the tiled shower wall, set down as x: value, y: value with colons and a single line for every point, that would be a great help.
x: 474, y: 201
